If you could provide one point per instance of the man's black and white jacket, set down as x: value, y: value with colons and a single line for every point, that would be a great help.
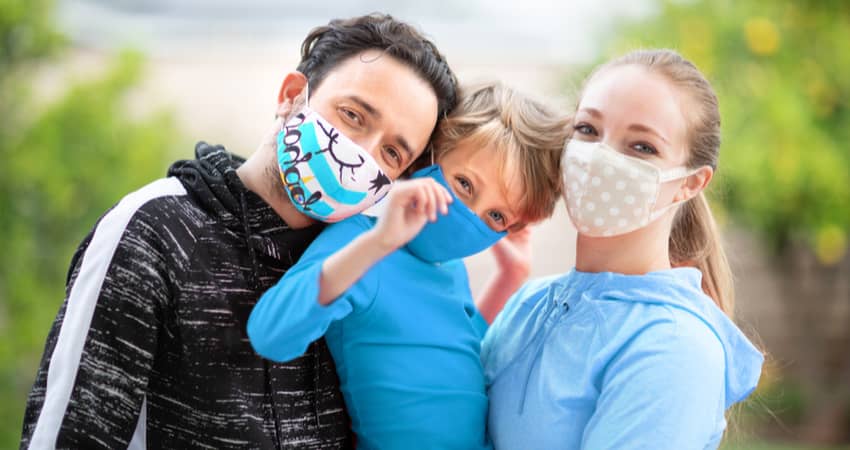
x: 149, y: 348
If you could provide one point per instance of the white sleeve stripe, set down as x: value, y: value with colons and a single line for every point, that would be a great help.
x: 65, y: 359
x: 139, y: 441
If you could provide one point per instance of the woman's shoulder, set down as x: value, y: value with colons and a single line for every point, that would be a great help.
x: 632, y: 331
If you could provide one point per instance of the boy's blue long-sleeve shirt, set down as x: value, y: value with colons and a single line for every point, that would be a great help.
x: 603, y: 360
x: 405, y: 339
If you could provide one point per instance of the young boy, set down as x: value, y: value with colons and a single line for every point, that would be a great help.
x: 392, y: 298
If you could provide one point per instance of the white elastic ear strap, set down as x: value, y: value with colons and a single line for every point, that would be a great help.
x: 307, y: 94
x: 673, y: 174
x: 660, y: 212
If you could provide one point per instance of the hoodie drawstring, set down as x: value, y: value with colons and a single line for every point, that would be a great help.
x: 255, y: 265
x: 554, y: 305
x: 255, y: 269
x: 255, y: 280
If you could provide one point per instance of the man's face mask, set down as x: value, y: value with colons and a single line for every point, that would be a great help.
x: 326, y: 175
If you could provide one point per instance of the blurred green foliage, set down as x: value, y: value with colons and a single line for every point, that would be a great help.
x: 63, y: 164
x: 780, y: 71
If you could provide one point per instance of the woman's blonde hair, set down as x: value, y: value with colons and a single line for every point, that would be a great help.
x: 526, y: 136
x: 695, y: 239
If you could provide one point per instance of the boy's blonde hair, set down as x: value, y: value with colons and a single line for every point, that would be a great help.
x: 526, y: 135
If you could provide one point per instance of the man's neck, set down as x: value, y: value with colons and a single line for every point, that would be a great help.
x: 254, y: 173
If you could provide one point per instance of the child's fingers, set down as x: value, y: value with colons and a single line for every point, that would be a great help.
x: 424, y: 200
x: 441, y: 199
x: 447, y: 197
x: 434, y: 205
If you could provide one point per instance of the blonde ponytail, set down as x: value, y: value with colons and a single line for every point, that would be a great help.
x: 695, y: 241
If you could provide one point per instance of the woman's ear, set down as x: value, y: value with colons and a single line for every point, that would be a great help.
x: 293, y: 85
x: 694, y: 184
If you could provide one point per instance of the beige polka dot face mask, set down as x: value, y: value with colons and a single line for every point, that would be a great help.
x: 608, y: 193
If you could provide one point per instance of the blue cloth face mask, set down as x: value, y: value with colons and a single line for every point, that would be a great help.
x: 326, y: 175
x: 458, y: 234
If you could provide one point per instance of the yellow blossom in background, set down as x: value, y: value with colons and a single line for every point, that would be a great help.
x: 697, y: 41
x: 830, y: 244
x: 762, y: 36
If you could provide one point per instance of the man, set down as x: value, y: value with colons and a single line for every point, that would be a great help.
x: 149, y: 348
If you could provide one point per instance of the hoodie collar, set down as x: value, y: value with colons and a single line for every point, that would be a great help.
x: 212, y: 180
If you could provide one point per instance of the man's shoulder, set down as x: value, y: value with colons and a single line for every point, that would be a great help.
x: 156, y: 204
x: 151, y: 211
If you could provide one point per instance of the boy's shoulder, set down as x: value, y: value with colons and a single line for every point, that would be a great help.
x: 357, y: 221
x: 345, y: 230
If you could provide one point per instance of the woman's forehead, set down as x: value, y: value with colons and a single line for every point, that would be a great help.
x: 631, y: 95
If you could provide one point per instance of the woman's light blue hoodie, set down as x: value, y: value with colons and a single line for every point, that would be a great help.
x: 603, y: 360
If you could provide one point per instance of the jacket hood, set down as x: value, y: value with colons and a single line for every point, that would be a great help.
x: 681, y: 288
x: 212, y: 181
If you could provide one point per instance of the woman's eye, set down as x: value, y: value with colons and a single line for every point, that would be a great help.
x: 584, y: 128
x: 645, y: 149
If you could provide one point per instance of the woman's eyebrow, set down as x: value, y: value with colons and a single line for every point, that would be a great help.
x: 647, y: 129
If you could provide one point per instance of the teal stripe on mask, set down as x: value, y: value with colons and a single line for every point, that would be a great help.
x: 326, y: 176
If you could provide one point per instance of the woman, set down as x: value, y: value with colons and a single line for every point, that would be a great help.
x: 635, y: 347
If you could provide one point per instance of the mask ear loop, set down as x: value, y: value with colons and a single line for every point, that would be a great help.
x: 307, y: 95
x: 432, y: 155
x: 673, y: 174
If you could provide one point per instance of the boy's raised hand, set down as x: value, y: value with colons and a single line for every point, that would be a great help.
x: 411, y: 204
x: 513, y: 263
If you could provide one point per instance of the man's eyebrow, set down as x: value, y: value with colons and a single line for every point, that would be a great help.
x: 366, y: 106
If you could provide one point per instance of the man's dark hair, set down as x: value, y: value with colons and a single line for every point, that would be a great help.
x: 327, y: 46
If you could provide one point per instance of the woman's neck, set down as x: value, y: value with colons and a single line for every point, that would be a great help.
x: 636, y: 253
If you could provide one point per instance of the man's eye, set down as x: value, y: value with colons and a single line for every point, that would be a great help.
x: 393, y: 154
x: 351, y: 116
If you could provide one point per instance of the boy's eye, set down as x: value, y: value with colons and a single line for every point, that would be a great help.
x: 497, y: 217
x: 464, y: 184
x: 586, y: 129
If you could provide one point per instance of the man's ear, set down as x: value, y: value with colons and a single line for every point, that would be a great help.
x: 293, y: 85
x: 694, y: 184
